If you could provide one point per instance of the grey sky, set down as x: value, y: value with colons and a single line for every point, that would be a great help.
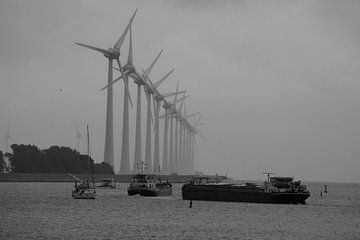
x: 277, y: 81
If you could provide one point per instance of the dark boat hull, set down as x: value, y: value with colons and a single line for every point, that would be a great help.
x: 229, y: 194
x: 150, y: 192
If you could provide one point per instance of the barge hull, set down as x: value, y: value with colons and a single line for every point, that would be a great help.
x: 230, y: 195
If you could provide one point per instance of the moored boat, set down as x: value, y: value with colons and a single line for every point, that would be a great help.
x: 275, y: 190
x: 149, y: 185
x: 107, y: 183
x: 83, y: 190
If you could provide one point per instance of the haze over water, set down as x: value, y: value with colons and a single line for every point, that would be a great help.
x: 47, y: 211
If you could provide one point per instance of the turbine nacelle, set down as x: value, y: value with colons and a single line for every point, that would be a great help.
x: 166, y: 105
x: 129, y: 68
x: 112, y: 53
x: 158, y: 97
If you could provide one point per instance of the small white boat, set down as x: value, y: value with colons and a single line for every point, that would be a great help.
x: 84, y: 190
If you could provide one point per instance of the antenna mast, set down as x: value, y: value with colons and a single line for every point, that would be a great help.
x: 268, y: 175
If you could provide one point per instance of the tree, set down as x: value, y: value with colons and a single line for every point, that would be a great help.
x: 103, y: 168
x: 56, y: 159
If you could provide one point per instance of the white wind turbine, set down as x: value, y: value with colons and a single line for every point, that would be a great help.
x: 169, y: 107
x: 157, y: 100
x: 141, y: 80
x: 111, y: 54
x: 78, y: 137
x: 193, y: 132
x: 7, y: 139
x: 190, y: 145
x: 178, y: 138
x: 129, y: 70
x: 173, y: 149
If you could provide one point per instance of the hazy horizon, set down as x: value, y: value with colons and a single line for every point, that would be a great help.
x: 277, y: 82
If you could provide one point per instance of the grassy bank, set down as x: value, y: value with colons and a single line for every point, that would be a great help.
x: 62, y: 177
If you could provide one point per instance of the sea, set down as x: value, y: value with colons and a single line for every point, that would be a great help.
x: 30, y: 210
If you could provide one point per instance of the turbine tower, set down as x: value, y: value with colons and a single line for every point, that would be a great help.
x: 178, y: 139
x: 169, y: 108
x: 189, y: 151
x: 172, y: 159
x: 111, y: 54
x: 157, y: 98
x: 7, y: 138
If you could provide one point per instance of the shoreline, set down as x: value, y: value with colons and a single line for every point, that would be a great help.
x: 63, y: 177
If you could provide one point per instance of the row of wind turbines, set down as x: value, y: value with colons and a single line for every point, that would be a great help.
x: 179, y: 135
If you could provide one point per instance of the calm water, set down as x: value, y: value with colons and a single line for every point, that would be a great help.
x: 47, y: 211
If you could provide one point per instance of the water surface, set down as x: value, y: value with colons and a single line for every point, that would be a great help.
x: 47, y: 211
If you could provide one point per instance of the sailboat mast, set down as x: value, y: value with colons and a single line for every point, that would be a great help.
x: 88, y: 153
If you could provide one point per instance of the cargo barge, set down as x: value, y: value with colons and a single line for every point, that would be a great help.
x: 283, y: 190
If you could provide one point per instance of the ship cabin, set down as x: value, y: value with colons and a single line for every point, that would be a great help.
x: 207, y: 179
x: 287, y: 184
x: 142, y: 180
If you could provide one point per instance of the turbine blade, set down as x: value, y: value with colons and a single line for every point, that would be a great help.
x: 146, y: 93
x: 191, y: 115
x: 172, y: 94
x: 180, y: 107
x: 125, y: 80
x: 177, y: 89
x: 114, y: 81
x: 148, y: 70
x: 154, y: 106
x: 184, y: 108
x: 148, y: 98
x: 130, y: 56
x: 180, y: 99
x: 127, y: 89
x: 103, y: 51
x: 157, y: 84
x: 123, y: 35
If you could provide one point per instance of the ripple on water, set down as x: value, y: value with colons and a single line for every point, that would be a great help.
x: 47, y: 211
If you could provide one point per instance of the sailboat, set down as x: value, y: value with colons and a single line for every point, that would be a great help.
x: 85, y: 189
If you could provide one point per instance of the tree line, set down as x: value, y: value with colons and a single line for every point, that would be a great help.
x: 56, y: 159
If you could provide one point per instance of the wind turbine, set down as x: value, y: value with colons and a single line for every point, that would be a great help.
x: 158, y: 98
x: 7, y: 138
x: 178, y: 138
x: 173, y: 149
x: 176, y: 153
x: 111, y: 54
x: 78, y: 137
x: 190, y: 152
x: 140, y: 80
x: 169, y: 107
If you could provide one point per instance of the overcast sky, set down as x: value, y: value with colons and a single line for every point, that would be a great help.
x: 277, y: 81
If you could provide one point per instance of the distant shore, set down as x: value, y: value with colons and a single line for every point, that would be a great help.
x: 63, y: 177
